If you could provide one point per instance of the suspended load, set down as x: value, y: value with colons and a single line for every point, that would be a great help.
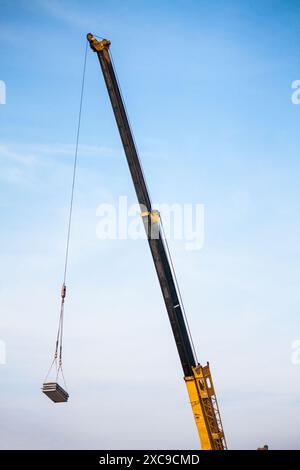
x: 53, y: 390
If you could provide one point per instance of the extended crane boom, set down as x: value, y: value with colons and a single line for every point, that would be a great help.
x: 198, y: 378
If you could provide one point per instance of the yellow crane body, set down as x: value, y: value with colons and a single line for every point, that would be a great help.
x: 205, y: 408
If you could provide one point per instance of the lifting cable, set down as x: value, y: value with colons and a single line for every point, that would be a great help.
x: 130, y: 127
x: 57, y: 360
x: 164, y: 236
x: 178, y: 292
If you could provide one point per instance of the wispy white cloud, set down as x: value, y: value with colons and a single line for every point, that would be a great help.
x: 30, y: 153
x: 25, y: 158
x: 65, y: 12
x: 20, y: 161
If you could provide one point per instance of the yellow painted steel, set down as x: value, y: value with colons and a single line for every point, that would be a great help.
x: 97, y: 46
x: 198, y: 413
x: 205, y: 409
x: 154, y: 215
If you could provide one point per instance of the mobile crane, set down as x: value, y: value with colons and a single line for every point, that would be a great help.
x: 197, y: 378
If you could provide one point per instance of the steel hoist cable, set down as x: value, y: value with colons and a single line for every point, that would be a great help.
x: 178, y: 291
x: 127, y: 115
x: 163, y: 232
x: 58, y: 354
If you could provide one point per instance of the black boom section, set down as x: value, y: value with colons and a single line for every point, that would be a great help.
x: 156, y: 242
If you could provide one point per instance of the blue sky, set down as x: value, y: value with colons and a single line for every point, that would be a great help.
x: 207, y: 86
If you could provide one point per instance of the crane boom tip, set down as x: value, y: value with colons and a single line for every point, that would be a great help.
x: 96, y: 45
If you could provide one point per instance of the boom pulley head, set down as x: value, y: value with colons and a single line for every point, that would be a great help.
x: 96, y: 45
